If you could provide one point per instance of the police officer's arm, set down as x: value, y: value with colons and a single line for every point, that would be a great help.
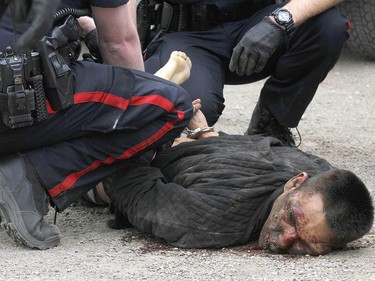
x: 258, y: 44
x: 133, y: 11
x: 302, y: 10
x: 118, y: 37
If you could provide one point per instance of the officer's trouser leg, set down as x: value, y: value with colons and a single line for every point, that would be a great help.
x: 301, y: 64
x: 117, y: 114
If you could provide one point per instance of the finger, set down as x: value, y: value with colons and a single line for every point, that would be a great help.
x: 251, y: 63
x: 261, y: 63
x: 196, y: 101
x: 233, y: 64
x: 196, y: 108
x: 242, y: 64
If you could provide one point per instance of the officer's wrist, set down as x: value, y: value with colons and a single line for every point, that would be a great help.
x: 283, y: 18
x: 272, y: 19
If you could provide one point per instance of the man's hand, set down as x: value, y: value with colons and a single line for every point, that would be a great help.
x: 255, y: 48
x: 91, y: 41
x: 43, y: 11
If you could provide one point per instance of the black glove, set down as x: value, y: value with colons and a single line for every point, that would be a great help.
x: 20, y: 10
x: 3, y: 6
x: 255, y: 48
x: 43, y: 11
x: 91, y: 41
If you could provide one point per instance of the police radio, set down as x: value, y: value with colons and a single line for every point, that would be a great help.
x: 22, y: 97
x: 56, y: 54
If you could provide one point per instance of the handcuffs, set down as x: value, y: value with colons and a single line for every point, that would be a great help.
x: 193, y: 134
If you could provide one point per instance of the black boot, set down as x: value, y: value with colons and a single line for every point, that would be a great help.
x: 23, y: 203
x: 263, y: 123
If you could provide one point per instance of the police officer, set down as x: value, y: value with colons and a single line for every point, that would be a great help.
x: 117, y: 113
x: 293, y: 44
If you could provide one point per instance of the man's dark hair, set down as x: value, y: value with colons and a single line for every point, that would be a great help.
x: 347, y: 202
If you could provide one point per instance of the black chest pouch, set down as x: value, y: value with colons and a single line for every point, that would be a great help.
x: 22, y: 97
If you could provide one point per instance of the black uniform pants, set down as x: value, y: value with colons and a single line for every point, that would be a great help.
x: 117, y: 114
x: 294, y: 71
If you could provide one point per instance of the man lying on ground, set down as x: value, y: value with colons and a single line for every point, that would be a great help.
x: 218, y: 190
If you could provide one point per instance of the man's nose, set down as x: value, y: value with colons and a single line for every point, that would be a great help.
x: 287, y: 238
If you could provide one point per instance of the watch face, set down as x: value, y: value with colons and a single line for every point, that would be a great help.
x: 283, y: 16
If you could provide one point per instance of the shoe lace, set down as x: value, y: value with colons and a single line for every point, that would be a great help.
x: 284, y: 133
x: 299, y: 137
x: 55, y: 217
x: 269, y: 126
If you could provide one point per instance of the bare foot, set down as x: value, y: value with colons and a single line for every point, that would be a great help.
x: 177, y: 68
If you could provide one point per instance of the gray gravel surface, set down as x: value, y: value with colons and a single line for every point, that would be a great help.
x: 338, y: 125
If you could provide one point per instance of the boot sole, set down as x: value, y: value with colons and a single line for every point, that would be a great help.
x: 12, y: 222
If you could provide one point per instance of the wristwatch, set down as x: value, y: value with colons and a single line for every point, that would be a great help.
x: 284, y: 18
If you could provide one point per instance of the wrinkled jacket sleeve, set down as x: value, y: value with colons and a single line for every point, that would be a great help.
x: 211, y: 193
x: 168, y: 210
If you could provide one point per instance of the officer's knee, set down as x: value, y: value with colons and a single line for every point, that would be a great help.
x: 331, y: 30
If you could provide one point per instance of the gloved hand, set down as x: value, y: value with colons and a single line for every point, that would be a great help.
x: 91, y: 41
x: 3, y: 6
x: 255, y: 48
x: 43, y: 11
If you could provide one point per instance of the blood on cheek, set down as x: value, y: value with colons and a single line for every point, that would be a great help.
x: 299, y: 216
x: 301, y: 221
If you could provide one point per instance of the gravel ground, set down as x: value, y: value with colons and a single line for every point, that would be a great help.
x: 338, y: 126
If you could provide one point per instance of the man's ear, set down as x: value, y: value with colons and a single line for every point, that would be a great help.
x: 296, y: 181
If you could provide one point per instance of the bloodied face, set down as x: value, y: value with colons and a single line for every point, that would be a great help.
x: 297, y: 223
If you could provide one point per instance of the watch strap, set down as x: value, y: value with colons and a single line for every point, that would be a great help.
x: 289, y: 26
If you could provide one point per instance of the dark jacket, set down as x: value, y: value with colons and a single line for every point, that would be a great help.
x: 215, y: 192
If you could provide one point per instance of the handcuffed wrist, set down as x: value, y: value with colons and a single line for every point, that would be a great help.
x: 193, y: 134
